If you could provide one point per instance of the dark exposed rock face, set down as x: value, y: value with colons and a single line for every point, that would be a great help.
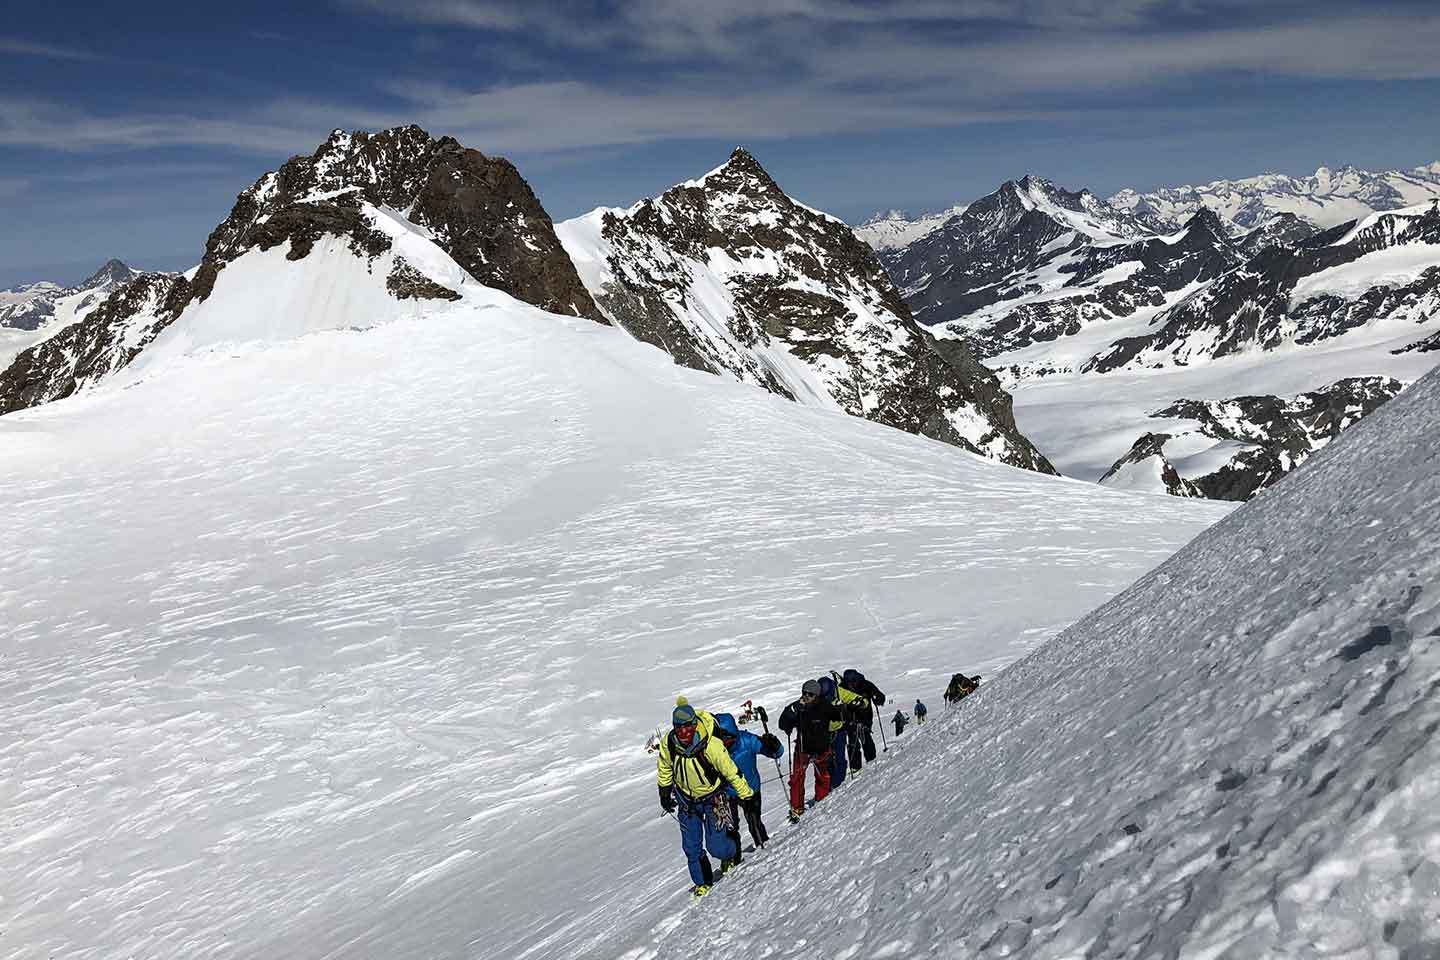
x: 407, y: 283
x: 980, y: 257
x: 1279, y: 434
x: 106, y: 340
x: 477, y: 208
x: 1144, y: 273
x: 1284, y: 229
x: 46, y: 300
x: 1252, y: 306
x: 1151, y: 446
x: 1423, y: 345
x: 728, y: 274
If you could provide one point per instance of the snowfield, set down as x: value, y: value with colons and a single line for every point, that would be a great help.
x: 345, y: 645
x: 1234, y: 758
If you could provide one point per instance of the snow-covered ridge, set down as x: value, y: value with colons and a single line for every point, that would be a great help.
x: 891, y: 229
x: 1325, y: 199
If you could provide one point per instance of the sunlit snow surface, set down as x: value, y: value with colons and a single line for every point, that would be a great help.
x: 1235, y: 758
x: 347, y: 646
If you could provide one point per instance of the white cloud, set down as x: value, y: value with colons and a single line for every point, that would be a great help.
x: 26, y: 48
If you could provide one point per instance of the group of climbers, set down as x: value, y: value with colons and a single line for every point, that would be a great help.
x: 832, y: 723
x: 709, y: 775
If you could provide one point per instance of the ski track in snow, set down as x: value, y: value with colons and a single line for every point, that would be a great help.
x: 347, y: 646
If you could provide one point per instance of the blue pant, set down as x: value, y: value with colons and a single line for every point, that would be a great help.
x: 839, y: 759
x: 701, y: 819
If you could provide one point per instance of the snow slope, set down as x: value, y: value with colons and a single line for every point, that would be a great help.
x: 1085, y: 422
x: 1235, y: 758
x: 344, y: 645
x: 892, y: 229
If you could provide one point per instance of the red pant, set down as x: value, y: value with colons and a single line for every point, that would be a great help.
x: 821, y: 762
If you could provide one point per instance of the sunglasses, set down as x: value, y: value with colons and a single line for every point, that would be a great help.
x: 685, y: 731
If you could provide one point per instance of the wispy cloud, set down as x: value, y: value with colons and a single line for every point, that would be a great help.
x: 759, y: 69
x: 27, y: 48
x: 57, y: 126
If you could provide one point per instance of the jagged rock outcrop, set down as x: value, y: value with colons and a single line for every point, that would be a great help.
x: 729, y: 275
x: 1277, y: 435
x: 1145, y: 465
x: 477, y: 209
x: 1281, y: 229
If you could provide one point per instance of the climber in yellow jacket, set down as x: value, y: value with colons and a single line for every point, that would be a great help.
x: 694, y: 766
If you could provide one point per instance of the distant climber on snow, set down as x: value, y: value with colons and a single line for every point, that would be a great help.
x: 900, y: 721
x: 744, y: 747
x: 961, y: 687
x: 919, y: 712
x: 693, y: 767
x: 809, y: 720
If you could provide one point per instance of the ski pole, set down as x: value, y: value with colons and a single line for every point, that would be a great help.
x: 882, y: 738
x: 765, y: 724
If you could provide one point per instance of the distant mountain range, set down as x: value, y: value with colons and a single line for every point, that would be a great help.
x: 1200, y: 341
x: 1326, y: 199
x: 1044, y: 282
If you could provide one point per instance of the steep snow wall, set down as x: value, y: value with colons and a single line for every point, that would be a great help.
x: 1236, y: 757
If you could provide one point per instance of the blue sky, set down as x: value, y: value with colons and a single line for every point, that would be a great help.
x: 127, y: 131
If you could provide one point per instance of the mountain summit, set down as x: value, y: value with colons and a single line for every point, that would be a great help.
x: 364, y: 221
x: 728, y: 274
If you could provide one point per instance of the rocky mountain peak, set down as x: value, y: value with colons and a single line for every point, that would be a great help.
x: 478, y: 209
x: 112, y: 271
x: 742, y: 173
x: 728, y: 274
x: 1207, y: 223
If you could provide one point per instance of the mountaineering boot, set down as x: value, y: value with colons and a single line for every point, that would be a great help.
x: 796, y: 813
x: 699, y: 890
x: 727, y: 865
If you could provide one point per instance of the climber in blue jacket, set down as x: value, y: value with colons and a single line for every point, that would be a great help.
x: 744, y: 747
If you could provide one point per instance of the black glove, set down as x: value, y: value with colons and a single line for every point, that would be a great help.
x: 771, y: 743
x: 667, y: 800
